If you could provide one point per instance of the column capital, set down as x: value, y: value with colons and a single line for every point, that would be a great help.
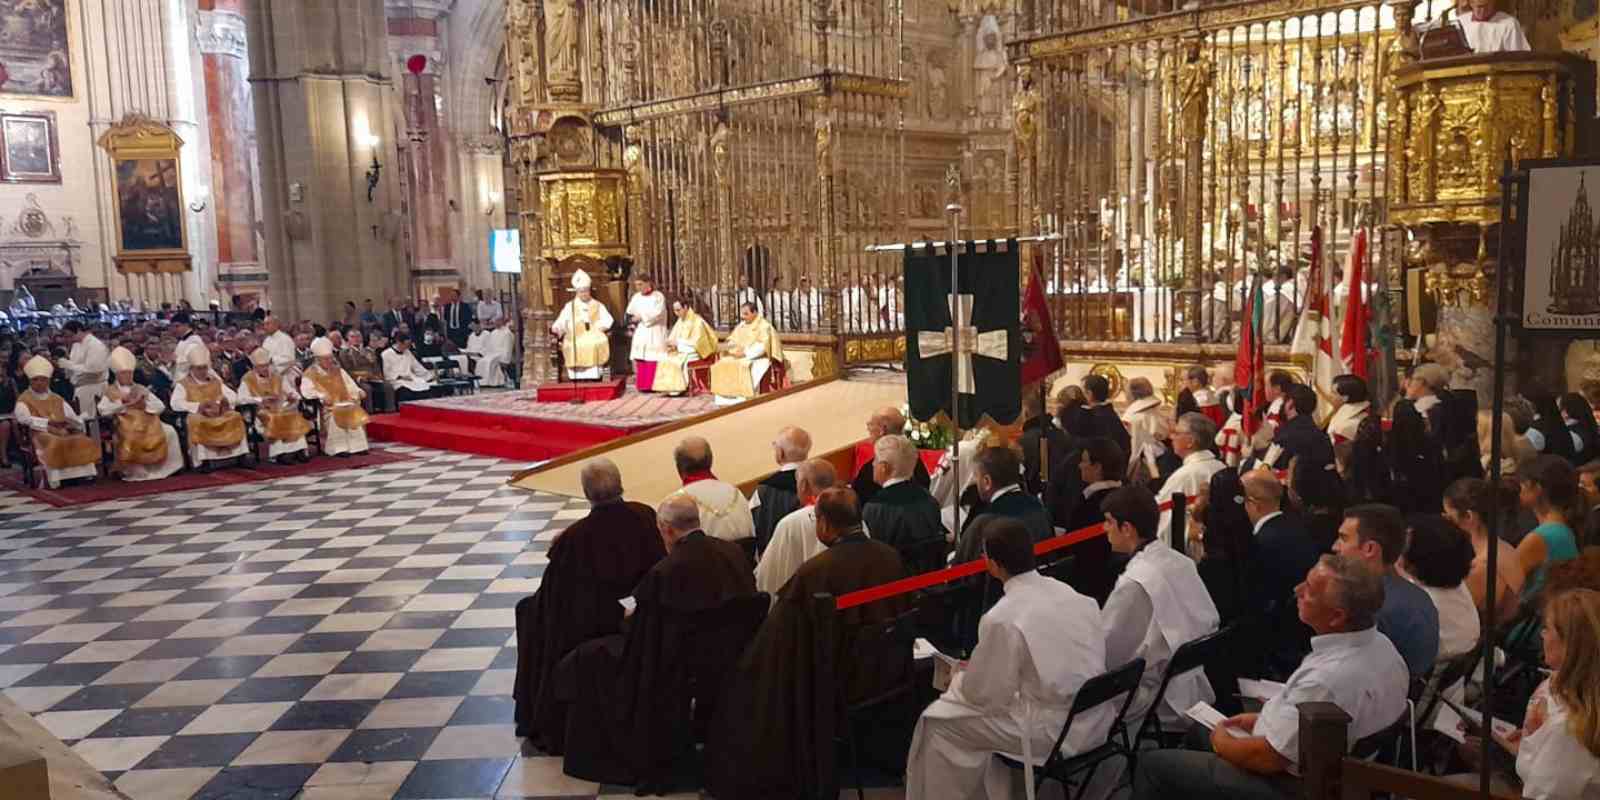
x: 424, y: 9
x: 221, y: 33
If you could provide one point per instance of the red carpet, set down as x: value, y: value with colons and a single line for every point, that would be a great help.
x: 104, y: 489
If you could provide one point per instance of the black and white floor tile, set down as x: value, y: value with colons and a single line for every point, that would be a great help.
x: 345, y: 635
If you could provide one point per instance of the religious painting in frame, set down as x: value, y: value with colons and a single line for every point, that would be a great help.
x: 36, y: 49
x: 1561, y: 276
x: 147, y: 192
x: 28, y: 148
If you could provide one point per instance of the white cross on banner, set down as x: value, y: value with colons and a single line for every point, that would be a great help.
x: 985, y: 344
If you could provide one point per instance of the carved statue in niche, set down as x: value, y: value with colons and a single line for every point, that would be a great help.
x: 938, y: 89
x: 989, y: 66
x: 719, y: 152
x: 562, y: 27
x: 1024, y: 109
x: 1194, y: 90
x: 525, y: 57
x: 569, y: 140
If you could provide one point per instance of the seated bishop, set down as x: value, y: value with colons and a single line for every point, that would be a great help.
x: 582, y: 326
x: 752, y: 347
x: 146, y: 448
x: 343, y: 427
x: 690, y: 343
x: 278, y: 417
x: 593, y: 564
x: 59, y: 441
x: 636, y: 698
x: 216, y: 431
x: 779, y: 710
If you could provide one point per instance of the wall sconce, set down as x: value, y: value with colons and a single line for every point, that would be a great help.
x: 375, y: 171
x: 493, y: 201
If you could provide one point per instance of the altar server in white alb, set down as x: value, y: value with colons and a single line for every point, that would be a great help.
x: 1491, y: 31
x: 1036, y: 648
x: 498, y: 348
x: 647, y: 309
x: 146, y: 448
x: 85, y: 365
x: 343, y: 427
x: 582, y: 326
x: 64, y: 450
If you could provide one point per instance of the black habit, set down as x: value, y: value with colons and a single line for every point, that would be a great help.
x: 593, y: 563
x: 1091, y: 572
x: 906, y: 517
x: 773, y: 736
x: 1103, y: 422
x: 779, y: 498
x: 865, y: 487
x: 634, y: 696
x: 1018, y: 505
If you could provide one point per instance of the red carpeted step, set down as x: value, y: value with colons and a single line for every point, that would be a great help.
x: 511, y: 438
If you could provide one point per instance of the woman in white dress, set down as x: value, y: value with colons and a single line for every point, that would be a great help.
x: 147, y: 449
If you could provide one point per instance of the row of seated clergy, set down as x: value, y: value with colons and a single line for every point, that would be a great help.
x: 752, y: 349
x: 216, y: 430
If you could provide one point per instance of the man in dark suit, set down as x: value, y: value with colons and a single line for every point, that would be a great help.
x: 1101, y: 466
x: 1039, y: 433
x: 1284, y: 553
x: 883, y: 422
x: 1103, y: 420
x: 457, y: 317
x: 1299, y: 436
x: 392, y: 317
x: 999, y: 484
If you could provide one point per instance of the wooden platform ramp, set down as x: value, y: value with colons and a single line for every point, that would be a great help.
x: 834, y: 412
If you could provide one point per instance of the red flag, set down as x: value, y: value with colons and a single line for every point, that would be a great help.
x: 1044, y: 352
x: 1353, y: 342
x: 1250, y: 365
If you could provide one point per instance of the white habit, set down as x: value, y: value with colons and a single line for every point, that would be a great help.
x: 1147, y: 428
x: 86, y: 365
x: 650, y: 337
x: 1188, y: 480
x: 1036, y: 648
x: 1501, y: 33
x: 794, y: 542
x: 1159, y: 605
x: 403, y: 371
x: 152, y: 406
x: 281, y: 347
x: 724, y: 511
x: 499, y: 346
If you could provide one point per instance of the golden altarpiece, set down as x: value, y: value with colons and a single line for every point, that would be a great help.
x: 1180, y: 154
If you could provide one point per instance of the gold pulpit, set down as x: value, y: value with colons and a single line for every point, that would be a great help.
x: 1453, y: 119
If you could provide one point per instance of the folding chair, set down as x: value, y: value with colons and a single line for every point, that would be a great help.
x: 898, y: 635
x: 1095, y: 692
x: 1192, y: 655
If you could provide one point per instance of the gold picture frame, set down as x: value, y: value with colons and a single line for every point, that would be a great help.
x: 147, y: 187
x: 50, y: 30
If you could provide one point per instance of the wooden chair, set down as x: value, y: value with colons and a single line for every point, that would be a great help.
x: 700, y: 375
x: 1079, y: 768
x: 312, y: 411
x: 23, y: 436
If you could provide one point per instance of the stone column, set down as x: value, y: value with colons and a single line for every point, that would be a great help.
x: 235, y: 181
x: 326, y: 121
x: 414, y: 32
x: 1194, y: 103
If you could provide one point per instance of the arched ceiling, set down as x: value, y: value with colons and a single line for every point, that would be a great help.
x: 476, y: 35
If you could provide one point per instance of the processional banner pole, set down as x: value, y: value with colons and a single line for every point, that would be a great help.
x: 952, y: 211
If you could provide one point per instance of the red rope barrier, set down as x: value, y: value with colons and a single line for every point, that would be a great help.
x: 914, y: 583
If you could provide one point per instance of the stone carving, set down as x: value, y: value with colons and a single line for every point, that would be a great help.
x: 31, y: 221
x: 562, y: 26
x: 569, y: 141
x: 938, y: 90
x: 989, y: 67
x: 1025, y: 110
x: 221, y: 33
x: 719, y: 152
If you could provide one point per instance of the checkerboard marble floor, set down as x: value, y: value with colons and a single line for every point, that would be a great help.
x: 333, y: 636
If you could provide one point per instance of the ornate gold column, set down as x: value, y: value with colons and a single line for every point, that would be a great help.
x: 1025, y: 129
x: 830, y: 235
x: 1194, y: 103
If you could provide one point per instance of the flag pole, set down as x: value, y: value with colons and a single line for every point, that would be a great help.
x: 952, y: 210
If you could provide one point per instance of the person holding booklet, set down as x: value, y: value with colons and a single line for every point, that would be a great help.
x: 1351, y: 665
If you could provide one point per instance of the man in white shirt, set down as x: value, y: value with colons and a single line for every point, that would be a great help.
x: 1191, y: 441
x: 795, y: 541
x: 487, y: 308
x: 745, y: 293
x: 498, y: 348
x: 1036, y: 648
x: 187, y: 341
x: 724, y: 512
x: 86, y: 366
x: 1351, y: 665
x: 1491, y: 31
x: 807, y: 306
x: 279, y: 345
x: 1158, y: 605
x: 1147, y: 425
x: 402, y: 370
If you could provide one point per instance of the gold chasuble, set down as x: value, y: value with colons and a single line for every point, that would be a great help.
x: 139, y: 438
x: 347, y: 412
x: 739, y: 376
x: 282, y: 424
x: 586, y: 345
x: 57, y: 451
x: 222, y: 432
x: 672, y: 370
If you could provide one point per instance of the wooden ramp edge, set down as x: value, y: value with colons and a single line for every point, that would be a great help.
x: 833, y: 411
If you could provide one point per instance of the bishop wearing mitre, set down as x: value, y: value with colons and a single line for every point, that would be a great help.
x: 146, y: 448
x: 278, y: 417
x: 647, y: 309
x: 752, y: 347
x: 582, y: 326
x: 216, y: 431
x: 63, y: 448
x: 691, y: 339
x: 344, y: 422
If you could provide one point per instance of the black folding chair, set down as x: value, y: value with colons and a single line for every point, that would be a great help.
x: 1080, y: 767
x: 897, y: 637
x: 1060, y: 569
x: 1192, y: 655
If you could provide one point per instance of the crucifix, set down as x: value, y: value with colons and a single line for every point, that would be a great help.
x: 961, y: 342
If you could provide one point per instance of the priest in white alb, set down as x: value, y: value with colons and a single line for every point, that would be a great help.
x: 498, y: 348
x: 59, y: 441
x: 1492, y: 31
x: 751, y: 348
x: 647, y: 310
x: 343, y: 427
x: 690, y: 340
x: 582, y: 327
x: 1036, y: 648
x: 146, y: 448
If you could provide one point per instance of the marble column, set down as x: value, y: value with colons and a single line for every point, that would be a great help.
x: 327, y: 121
x: 426, y: 142
x: 235, y: 188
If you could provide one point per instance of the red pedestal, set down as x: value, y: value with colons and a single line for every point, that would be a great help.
x: 582, y: 391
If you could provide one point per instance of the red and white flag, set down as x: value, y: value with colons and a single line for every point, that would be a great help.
x: 1313, y: 336
x: 1353, y: 348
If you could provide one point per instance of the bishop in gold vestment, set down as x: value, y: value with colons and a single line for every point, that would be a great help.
x: 690, y: 339
x: 344, y: 423
x: 582, y: 326
x: 752, y: 347
x: 146, y: 448
x: 64, y: 450
x: 216, y: 431
x: 278, y: 417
